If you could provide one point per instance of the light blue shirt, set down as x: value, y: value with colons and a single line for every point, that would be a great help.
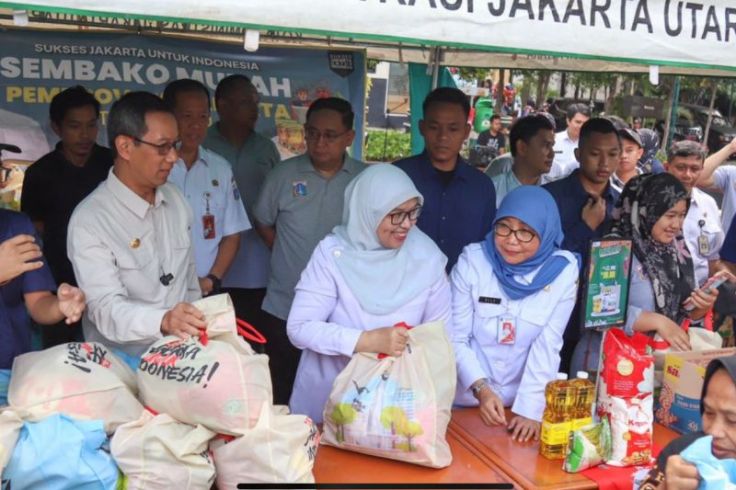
x: 250, y: 164
x: 517, y: 372
x: 209, y: 187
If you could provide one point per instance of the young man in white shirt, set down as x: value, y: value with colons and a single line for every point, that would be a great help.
x: 207, y: 182
x: 702, y: 227
x: 566, y: 142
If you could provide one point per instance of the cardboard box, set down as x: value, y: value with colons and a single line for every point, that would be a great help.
x: 682, y: 382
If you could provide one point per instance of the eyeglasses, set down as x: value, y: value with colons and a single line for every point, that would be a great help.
x: 399, y: 216
x: 163, y: 148
x: 504, y: 230
x: 313, y: 134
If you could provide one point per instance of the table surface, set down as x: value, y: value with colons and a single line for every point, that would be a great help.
x: 522, y: 461
x: 333, y: 465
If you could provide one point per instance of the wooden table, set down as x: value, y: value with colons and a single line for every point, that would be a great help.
x: 522, y: 461
x: 335, y: 465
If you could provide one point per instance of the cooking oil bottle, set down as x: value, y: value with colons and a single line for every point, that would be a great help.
x: 584, y: 395
x: 558, y: 414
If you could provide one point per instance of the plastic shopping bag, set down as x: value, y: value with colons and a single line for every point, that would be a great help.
x: 216, y: 380
x: 61, y: 453
x: 625, y: 396
x: 157, y: 452
x: 396, y: 407
x: 81, y: 379
x: 281, y: 448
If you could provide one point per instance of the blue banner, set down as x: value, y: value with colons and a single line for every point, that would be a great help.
x: 35, y: 66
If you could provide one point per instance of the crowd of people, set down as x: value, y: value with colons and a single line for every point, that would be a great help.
x: 325, y: 254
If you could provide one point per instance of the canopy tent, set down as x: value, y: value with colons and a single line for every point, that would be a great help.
x: 681, y: 37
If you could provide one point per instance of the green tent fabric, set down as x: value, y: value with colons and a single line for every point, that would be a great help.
x: 420, y: 84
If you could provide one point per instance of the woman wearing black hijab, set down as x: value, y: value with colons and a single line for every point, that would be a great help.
x: 718, y: 410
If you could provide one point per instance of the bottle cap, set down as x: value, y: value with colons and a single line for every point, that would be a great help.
x: 561, y: 377
x: 583, y: 375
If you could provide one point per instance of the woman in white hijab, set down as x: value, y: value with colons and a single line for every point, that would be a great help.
x: 373, y: 271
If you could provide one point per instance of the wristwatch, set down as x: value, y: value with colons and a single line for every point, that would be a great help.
x: 478, y: 386
x: 216, y: 283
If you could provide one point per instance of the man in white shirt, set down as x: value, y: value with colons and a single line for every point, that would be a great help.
x: 566, y: 142
x: 721, y: 178
x: 532, y: 148
x: 702, y: 227
x: 207, y: 182
x: 129, y: 241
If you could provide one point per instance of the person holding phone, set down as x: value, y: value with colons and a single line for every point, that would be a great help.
x: 663, y: 291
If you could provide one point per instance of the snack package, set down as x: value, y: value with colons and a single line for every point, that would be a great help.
x: 625, y: 396
x: 589, y: 446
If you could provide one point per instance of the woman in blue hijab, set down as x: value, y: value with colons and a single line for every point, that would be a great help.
x: 512, y: 296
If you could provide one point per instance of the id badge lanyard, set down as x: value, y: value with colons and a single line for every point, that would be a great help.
x: 209, y: 229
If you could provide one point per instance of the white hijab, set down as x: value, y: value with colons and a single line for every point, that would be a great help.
x: 383, y: 280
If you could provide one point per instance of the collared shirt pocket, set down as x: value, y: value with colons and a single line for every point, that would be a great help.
x: 485, y: 322
x: 138, y: 269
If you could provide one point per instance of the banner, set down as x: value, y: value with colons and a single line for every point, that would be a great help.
x: 698, y: 33
x: 35, y: 66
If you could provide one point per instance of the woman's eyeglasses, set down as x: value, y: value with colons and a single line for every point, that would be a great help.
x: 399, y: 216
x: 504, y: 230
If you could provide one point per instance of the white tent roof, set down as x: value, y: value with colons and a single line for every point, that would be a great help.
x: 618, y: 36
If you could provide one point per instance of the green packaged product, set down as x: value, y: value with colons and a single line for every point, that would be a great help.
x: 588, y: 447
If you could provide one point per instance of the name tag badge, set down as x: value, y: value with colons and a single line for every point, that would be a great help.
x: 208, y: 226
x: 491, y: 301
x: 703, y: 244
x: 506, y: 330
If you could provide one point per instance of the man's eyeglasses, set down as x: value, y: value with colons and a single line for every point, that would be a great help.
x: 313, y: 134
x: 163, y: 148
x: 504, y: 230
x: 399, y: 216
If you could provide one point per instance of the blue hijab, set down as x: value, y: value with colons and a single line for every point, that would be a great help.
x: 535, y: 207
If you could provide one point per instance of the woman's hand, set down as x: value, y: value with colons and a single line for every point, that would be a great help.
x: 386, y: 340
x: 523, y: 429
x: 671, y: 332
x: 702, y: 301
x: 680, y: 475
x: 491, y: 407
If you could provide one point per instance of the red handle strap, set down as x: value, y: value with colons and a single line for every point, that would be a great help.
x: 398, y: 325
x: 250, y: 332
x: 707, y: 324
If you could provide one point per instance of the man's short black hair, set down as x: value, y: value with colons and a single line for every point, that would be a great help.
x: 177, y: 87
x: 336, y: 104
x: 447, y: 95
x: 599, y: 125
x: 128, y: 116
x: 573, y: 109
x: 526, y: 127
x: 495, y: 116
x: 686, y: 148
x: 230, y: 83
x: 71, y: 98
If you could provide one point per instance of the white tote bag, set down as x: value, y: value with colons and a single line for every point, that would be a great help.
x: 280, y: 448
x: 217, y: 380
x: 156, y: 452
x: 396, y: 407
x: 81, y: 379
